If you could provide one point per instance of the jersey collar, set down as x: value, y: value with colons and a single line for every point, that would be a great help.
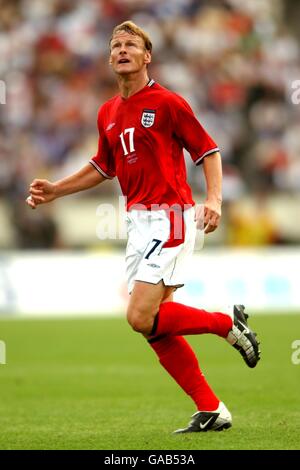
x: 149, y: 84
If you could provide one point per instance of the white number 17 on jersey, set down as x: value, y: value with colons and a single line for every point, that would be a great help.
x: 129, y: 131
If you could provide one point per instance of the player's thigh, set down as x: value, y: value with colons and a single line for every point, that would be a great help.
x: 145, y: 301
x: 146, y: 297
x: 169, y: 294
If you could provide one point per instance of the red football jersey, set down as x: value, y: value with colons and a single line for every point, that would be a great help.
x: 141, y: 141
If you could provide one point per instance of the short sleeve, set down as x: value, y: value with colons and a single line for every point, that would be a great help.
x: 190, y: 132
x: 103, y: 160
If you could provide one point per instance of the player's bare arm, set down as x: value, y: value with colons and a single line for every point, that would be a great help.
x: 212, y: 167
x: 43, y: 191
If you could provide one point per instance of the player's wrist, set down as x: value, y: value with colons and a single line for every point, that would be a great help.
x: 214, y: 199
x: 57, y: 190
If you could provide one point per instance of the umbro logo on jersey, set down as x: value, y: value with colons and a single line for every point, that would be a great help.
x: 148, y: 117
x: 110, y: 126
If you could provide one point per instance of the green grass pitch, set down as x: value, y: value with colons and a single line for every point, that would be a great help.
x: 95, y: 384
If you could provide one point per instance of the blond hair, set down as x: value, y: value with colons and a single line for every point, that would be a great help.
x: 132, y: 28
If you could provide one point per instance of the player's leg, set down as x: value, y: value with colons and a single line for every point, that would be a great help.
x: 147, y: 314
x: 178, y: 319
x: 168, y: 295
x: 145, y: 301
x: 152, y: 312
x: 240, y: 333
x: 174, y: 352
x: 216, y: 416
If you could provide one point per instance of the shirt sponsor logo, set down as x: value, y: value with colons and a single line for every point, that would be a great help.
x: 148, y: 117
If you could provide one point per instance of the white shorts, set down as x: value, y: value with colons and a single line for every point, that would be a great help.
x: 154, y: 252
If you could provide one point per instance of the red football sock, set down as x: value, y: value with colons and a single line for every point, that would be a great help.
x: 179, y: 360
x: 178, y: 319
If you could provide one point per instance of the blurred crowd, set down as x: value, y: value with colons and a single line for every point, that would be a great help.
x: 233, y: 60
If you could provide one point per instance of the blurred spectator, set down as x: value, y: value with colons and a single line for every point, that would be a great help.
x: 251, y: 224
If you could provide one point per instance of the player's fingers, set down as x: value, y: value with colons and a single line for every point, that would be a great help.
x: 215, y: 219
x: 206, y: 228
x: 209, y: 228
x: 30, y: 202
x: 212, y: 224
x: 36, y: 183
x: 38, y: 199
x: 36, y: 192
x: 210, y: 218
x: 206, y: 216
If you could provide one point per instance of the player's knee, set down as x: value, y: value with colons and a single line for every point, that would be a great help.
x: 140, y: 322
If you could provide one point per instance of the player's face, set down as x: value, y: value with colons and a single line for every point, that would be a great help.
x: 128, y: 53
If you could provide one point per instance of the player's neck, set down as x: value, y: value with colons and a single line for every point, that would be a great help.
x: 131, y: 84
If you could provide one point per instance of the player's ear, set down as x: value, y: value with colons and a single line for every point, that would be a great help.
x: 148, y: 57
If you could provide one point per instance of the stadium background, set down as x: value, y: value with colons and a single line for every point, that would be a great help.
x: 236, y: 63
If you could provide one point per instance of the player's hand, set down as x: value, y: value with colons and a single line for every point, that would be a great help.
x: 212, y: 215
x: 41, y: 192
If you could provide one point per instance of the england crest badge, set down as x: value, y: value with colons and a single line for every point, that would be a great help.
x: 148, y: 117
